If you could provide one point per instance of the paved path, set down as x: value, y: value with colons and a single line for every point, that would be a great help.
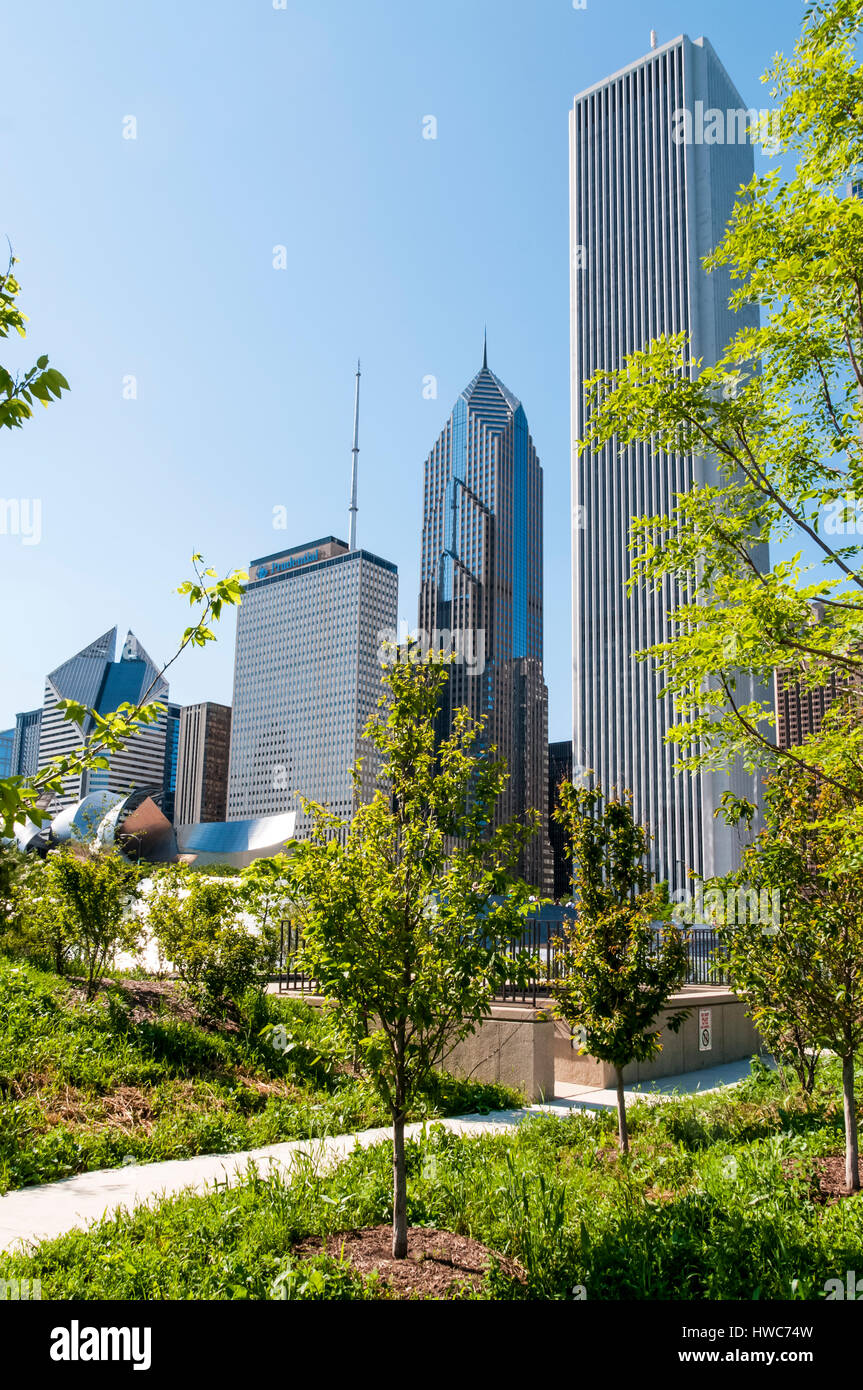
x: 31, y: 1214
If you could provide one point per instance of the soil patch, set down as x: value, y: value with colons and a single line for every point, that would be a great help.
x: 830, y: 1176
x: 438, y: 1265
x: 825, y: 1180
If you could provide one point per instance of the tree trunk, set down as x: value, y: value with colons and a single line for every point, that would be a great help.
x: 852, y: 1166
x: 400, y: 1196
x: 622, y: 1129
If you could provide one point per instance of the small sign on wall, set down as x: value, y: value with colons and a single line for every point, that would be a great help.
x: 705, y: 1030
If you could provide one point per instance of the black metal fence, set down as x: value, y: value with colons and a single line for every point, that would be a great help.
x: 288, y: 977
x: 538, y: 961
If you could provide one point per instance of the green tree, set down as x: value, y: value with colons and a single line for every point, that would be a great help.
x: 616, y: 968
x: 803, y: 981
x: 38, y: 383
x: 781, y: 414
x: 79, y: 906
x: 408, y: 913
x: 201, y: 929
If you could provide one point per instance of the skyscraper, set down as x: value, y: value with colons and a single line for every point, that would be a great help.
x: 307, y: 677
x: 481, y: 585
x: 202, y: 764
x: 651, y: 192
x: 169, y: 774
x: 7, y: 750
x: 559, y: 770
x: 94, y: 678
x: 25, y: 757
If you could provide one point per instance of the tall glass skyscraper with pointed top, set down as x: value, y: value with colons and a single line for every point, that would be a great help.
x: 651, y: 191
x: 481, y: 580
x: 94, y: 678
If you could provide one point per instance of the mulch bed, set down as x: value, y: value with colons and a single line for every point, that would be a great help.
x: 438, y: 1263
x: 826, y: 1178
x: 830, y: 1176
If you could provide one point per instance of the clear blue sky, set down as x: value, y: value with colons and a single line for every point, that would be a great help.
x: 153, y: 257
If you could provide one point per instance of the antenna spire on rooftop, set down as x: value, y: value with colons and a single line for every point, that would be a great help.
x: 352, y: 513
x: 485, y: 346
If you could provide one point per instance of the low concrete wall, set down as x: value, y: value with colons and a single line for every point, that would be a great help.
x: 526, y: 1048
x: 733, y: 1037
x: 515, y: 1046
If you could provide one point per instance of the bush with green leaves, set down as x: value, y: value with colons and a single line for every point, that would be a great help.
x: 202, y: 930
x: 76, y: 906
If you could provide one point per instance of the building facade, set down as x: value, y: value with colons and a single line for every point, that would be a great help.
x: 307, y: 678
x: 7, y: 750
x: 25, y: 755
x: 559, y: 770
x: 202, y: 764
x: 169, y: 774
x: 800, y: 712
x: 649, y: 197
x: 481, y: 590
x: 94, y: 678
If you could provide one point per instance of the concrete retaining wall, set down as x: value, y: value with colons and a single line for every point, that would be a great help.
x: 526, y: 1048
x: 515, y: 1046
x: 733, y: 1037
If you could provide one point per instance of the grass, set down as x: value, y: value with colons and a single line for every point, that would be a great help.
x: 93, y: 1085
x: 714, y: 1203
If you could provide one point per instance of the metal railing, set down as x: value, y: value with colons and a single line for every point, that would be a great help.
x: 538, y: 962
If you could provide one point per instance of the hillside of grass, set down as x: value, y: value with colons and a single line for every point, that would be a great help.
x: 137, y: 1075
x: 719, y: 1200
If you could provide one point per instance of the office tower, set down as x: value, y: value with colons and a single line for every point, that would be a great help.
x: 7, y: 749
x: 559, y: 770
x: 481, y: 586
x: 169, y: 772
x: 647, y: 202
x: 94, y: 678
x: 25, y: 755
x: 202, y: 764
x: 307, y: 678
x: 800, y: 712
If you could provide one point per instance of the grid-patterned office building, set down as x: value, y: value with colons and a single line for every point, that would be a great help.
x: 481, y: 579
x: 650, y: 196
x: 307, y: 678
x: 25, y: 756
x: 94, y: 678
x: 202, y: 764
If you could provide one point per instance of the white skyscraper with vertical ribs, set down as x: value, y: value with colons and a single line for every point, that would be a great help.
x: 645, y: 208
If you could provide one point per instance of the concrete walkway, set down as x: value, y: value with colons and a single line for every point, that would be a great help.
x: 32, y: 1214
x: 701, y: 1082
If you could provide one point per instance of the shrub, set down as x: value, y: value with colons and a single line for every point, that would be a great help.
x: 200, y: 929
x: 76, y: 905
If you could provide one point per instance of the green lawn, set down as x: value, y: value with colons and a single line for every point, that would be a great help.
x: 714, y: 1203
x: 86, y: 1086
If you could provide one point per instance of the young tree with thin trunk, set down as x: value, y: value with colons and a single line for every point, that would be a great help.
x: 408, y: 914
x: 617, y: 966
x: 807, y: 970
